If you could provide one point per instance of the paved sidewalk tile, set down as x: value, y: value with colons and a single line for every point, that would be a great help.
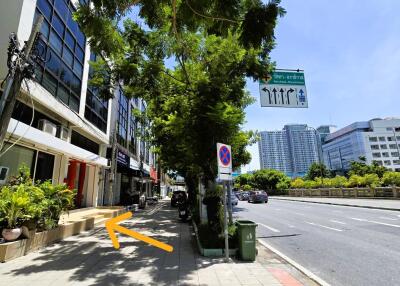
x: 90, y: 259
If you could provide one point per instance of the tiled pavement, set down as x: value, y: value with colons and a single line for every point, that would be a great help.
x: 90, y: 259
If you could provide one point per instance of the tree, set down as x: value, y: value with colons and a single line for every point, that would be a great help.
x: 243, y: 179
x: 361, y: 168
x: 201, y: 100
x: 269, y: 180
x: 391, y: 179
x: 317, y: 170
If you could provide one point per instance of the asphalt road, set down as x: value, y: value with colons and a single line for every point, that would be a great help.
x: 342, y: 245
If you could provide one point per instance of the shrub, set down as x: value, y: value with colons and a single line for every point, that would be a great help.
x: 297, y: 183
x: 355, y: 181
x: 371, y: 180
x: 391, y: 179
x: 13, y: 206
x: 337, y: 182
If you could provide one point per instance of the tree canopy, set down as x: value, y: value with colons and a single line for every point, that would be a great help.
x: 317, y: 170
x: 200, y: 99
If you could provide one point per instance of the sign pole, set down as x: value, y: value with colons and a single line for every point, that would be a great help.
x: 226, y: 224
x: 229, y: 190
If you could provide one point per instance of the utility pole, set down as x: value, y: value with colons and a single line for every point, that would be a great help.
x: 20, y: 66
x: 226, y: 223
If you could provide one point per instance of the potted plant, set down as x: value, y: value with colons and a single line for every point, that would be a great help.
x: 13, y: 206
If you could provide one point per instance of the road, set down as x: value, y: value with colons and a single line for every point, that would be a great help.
x: 343, y: 245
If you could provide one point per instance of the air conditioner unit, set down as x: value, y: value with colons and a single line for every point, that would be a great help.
x: 3, y: 174
x: 47, y: 126
x: 63, y: 133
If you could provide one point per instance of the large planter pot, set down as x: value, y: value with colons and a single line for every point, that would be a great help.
x: 11, y: 234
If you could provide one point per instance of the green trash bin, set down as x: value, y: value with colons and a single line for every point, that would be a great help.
x: 247, y: 240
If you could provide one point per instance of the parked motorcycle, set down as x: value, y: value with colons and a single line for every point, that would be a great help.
x: 183, y: 209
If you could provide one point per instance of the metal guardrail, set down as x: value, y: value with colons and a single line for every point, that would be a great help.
x: 378, y: 192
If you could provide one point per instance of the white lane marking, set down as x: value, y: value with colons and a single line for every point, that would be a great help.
x: 377, y: 222
x: 270, y: 228
x: 291, y: 226
x: 337, y: 211
x: 339, y: 222
x: 324, y: 226
x: 388, y: 218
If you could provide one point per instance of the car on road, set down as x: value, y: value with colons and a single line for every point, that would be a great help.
x: 258, y: 197
x: 243, y: 196
x: 234, y: 200
x: 175, y: 197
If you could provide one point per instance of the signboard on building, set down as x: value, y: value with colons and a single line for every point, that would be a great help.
x: 224, y: 158
x: 284, y: 88
x: 122, y: 159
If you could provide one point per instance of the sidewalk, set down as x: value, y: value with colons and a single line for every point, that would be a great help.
x: 90, y: 259
x: 384, y: 204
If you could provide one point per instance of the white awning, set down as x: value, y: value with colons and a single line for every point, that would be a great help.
x: 45, y: 141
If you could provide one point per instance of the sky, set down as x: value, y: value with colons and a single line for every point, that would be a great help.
x: 350, y: 53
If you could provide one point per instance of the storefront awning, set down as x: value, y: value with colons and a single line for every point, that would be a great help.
x: 45, y: 141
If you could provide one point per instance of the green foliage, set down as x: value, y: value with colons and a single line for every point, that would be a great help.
x: 337, y: 181
x: 243, y: 179
x: 42, y: 204
x: 391, y: 179
x: 268, y: 180
x: 317, y: 170
x: 297, y: 183
x: 14, y: 203
x: 360, y: 168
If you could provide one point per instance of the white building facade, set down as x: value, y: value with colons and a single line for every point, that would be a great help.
x: 376, y: 140
x: 70, y: 131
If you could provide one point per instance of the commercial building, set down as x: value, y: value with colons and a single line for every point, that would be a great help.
x: 376, y: 140
x: 61, y: 128
x: 291, y: 150
x: 70, y: 125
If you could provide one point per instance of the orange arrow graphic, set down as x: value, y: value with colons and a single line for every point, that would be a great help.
x: 112, y: 226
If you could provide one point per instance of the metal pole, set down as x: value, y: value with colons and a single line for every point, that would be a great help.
x: 226, y: 225
x: 229, y: 189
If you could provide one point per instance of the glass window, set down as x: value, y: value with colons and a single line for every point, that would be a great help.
x: 383, y: 146
x: 74, y: 103
x: 45, y: 29
x: 79, y: 54
x: 44, y: 166
x: 76, y: 85
x: 58, y: 24
x: 396, y: 162
x: 390, y: 138
x: 382, y: 139
x: 392, y: 146
x: 69, y: 40
x: 373, y: 139
x: 68, y: 57
x: 63, y: 42
x: 122, y: 119
x: 80, y: 38
x: 50, y: 83
x: 374, y: 147
x: 16, y: 157
x: 55, y: 42
x: 376, y: 155
x: 62, y: 8
x: 53, y: 64
x: 387, y: 162
x: 78, y: 69
x: 63, y: 94
x: 385, y: 154
x: 45, y: 8
x: 395, y: 154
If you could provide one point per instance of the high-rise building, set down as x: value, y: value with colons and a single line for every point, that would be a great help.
x: 376, y: 140
x: 291, y: 150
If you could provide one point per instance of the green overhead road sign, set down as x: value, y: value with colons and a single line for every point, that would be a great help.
x: 284, y: 88
x: 290, y: 78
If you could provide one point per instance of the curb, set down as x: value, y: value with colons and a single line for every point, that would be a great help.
x: 338, y: 204
x: 296, y: 265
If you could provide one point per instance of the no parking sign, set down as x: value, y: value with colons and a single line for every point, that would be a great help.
x: 224, y: 158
